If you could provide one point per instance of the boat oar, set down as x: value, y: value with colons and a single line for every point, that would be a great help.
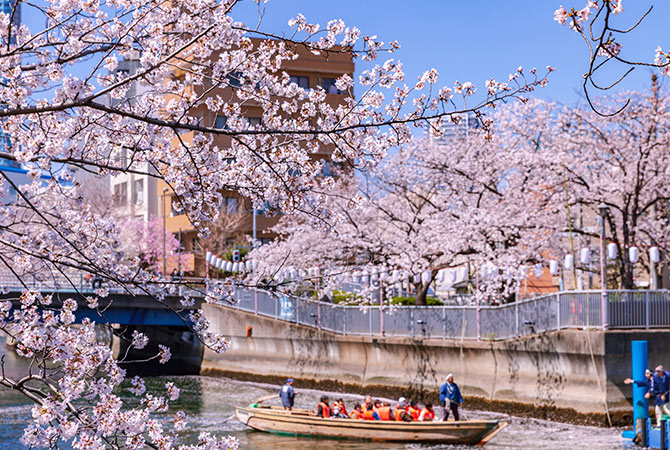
x: 256, y: 403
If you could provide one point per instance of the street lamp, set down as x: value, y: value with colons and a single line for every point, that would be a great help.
x: 165, y: 191
x: 603, y: 209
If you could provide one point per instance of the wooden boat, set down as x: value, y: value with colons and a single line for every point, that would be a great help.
x: 302, y: 422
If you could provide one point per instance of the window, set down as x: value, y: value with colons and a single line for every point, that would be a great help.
x: 138, y: 194
x: 254, y: 121
x: 175, y: 207
x: 234, y: 79
x: 230, y: 205
x: 120, y: 194
x: 303, y: 82
x: 220, y: 122
x: 328, y: 84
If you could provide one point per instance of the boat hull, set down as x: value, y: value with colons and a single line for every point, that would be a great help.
x: 305, y: 424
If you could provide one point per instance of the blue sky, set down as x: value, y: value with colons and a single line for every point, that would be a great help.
x: 475, y: 40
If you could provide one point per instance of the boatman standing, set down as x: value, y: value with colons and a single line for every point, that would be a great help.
x: 646, y: 383
x: 660, y: 389
x: 287, y: 394
x: 451, y: 397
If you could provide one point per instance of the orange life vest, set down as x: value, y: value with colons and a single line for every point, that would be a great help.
x: 326, y: 410
x: 428, y: 414
x: 398, y: 414
x: 414, y: 413
x: 356, y: 414
x: 368, y: 415
x: 343, y: 409
x: 384, y: 413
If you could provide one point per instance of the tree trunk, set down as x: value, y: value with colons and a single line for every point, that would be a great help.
x: 421, y: 293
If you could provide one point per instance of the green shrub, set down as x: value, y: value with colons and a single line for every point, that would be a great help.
x: 411, y: 301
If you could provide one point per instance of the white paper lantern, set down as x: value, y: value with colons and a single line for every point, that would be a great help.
x: 374, y: 276
x: 236, y: 268
x: 365, y: 278
x: 569, y: 261
x: 426, y: 277
x: 585, y: 255
x: 463, y: 273
x: 217, y: 261
x: 523, y: 272
x: 538, y: 270
x: 611, y: 250
x: 633, y: 254
x: 493, y: 271
x: 553, y: 267
x: 416, y: 278
x: 654, y: 254
x: 483, y: 272
x: 208, y: 257
x: 453, y: 274
x: 441, y: 275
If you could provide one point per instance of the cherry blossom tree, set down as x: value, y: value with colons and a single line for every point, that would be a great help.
x: 66, y: 105
x: 145, y: 240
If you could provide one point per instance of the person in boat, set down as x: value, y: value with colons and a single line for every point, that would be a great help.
x: 427, y: 414
x: 400, y: 413
x: 287, y: 395
x: 367, y: 403
x: 451, y: 398
x: 660, y: 389
x: 357, y: 413
x: 646, y: 383
x: 385, y: 412
x: 323, y: 408
x: 370, y: 413
x: 414, y: 411
x: 339, y: 409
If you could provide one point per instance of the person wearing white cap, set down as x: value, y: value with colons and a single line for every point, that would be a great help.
x: 451, y: 398
x: 400, y: 413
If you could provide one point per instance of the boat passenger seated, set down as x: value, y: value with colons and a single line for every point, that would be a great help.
x: 385, y: 412
x: 357, y: 413
x: 370, y: 412
x: 427, y: 414
x: 323, y: 409
x: 339, y: 409
x: 400, y: 413
x: 414, y: 410
x: 367, y: 403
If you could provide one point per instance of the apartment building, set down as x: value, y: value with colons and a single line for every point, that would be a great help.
x: 236, y: 222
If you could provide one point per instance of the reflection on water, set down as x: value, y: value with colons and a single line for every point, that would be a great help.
x: 209, y: 403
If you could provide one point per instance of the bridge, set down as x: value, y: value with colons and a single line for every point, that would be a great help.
x: 124, y: 311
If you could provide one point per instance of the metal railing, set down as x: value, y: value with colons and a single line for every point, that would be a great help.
x: 570, y: 309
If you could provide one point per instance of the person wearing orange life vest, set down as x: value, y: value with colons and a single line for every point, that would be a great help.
x: 339, y: 409
x: 385, y: 412
x: 400, y: 413
x: 414, y: 410
x: 370, y: 412
x: 427, y: 414
x: 367, y: 402
x: 357, y: 413
x: 323, y: 409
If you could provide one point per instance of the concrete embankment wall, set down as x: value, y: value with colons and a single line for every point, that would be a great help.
x: 565, y: 375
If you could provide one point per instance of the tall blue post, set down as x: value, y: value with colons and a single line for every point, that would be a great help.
x: 639, y: 359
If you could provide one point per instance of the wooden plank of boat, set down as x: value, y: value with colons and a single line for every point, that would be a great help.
x: 305, y: 423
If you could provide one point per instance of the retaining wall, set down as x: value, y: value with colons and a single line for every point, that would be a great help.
x: 564, y: 375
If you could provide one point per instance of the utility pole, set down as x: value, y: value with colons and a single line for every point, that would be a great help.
x: 603, y: 209
x: 165, y: 190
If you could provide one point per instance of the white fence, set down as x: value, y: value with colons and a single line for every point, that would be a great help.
x: 570, y: 309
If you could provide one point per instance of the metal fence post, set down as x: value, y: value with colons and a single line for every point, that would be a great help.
x: 516, y: 316
x: 344, y: 319
x: 444, y: 322
x: 370, y: 317
x: 276, y: 307
x: 297, y: 311
x: 646, y: 310
x: 411, y: 321
x: 558, y: 310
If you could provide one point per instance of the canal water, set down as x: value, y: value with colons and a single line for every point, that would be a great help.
x: 209, y: 402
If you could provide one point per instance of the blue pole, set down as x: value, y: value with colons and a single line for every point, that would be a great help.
x: 639, y: 360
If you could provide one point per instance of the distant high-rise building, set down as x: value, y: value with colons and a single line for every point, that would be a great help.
x: 451, y: 130
x: 7, y: 6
